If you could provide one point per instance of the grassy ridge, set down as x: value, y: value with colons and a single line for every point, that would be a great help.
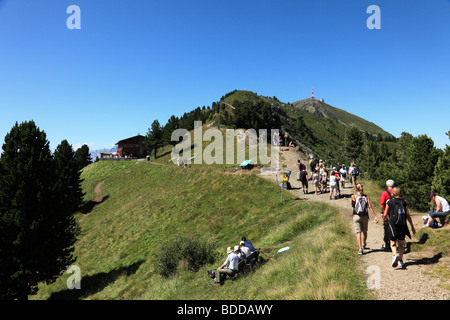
x: 144, y: 205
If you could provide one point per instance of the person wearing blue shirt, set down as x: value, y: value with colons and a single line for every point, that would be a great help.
x: 248, y: 244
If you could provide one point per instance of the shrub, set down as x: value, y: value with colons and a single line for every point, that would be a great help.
x: 193, y: 252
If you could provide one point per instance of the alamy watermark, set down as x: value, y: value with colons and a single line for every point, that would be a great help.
x: 374, y: 21
x: 374, y: 279
x: 74, y: 281
x: 257, y: 145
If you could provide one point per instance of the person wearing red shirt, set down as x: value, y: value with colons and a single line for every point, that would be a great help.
x: 385, y: 196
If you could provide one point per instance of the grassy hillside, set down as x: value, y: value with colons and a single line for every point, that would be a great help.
x: 142, y: 205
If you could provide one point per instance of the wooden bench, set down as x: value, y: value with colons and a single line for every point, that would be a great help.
x: 248, y: 264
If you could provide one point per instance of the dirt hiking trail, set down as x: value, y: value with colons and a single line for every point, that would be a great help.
x: 411, y: 283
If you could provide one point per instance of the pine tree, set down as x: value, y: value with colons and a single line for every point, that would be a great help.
x: 37, y: 236
x: 154, y: 137
x: 169, y: 128
x: 441, y: 178
x: 83, y: 157
x: 418, y: 171
x: 69, y: 181
x: 353, y: 142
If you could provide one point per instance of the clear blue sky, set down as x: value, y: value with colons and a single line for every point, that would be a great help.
x: 136, y: 61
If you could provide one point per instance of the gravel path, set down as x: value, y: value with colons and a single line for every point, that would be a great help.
x: 387, y: 283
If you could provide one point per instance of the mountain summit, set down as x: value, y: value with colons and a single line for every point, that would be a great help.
x: 314, y: 125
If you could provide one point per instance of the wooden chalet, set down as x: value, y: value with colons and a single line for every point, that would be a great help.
x: 132, y: 147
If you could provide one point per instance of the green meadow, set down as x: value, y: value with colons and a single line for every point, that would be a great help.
x: 143, y: 206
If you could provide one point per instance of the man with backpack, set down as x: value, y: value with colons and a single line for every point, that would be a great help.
x: 361, y: 205
x: 385, y: 196
x: 397, y: 207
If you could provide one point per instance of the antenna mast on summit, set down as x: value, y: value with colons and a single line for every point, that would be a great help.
x: 312, y: 93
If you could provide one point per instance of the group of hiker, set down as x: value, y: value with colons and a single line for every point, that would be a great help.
x: 395, y: 215
x: 230, y: 266
x: 394, y: 208
x: 320, y: 176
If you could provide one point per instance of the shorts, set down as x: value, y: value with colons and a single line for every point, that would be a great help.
x: 305, y: 184
x: 396, y: 233
x: 317, y: 184
x: 360, y: 223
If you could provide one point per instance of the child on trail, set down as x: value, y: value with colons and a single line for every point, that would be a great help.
x: 334, y: 183
x: 316, y: 181
x: 398, y: 211
x: 361, y: 205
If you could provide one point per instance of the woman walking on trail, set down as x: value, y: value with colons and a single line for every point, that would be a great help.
x: 361, y: 205
x: 397, y: 207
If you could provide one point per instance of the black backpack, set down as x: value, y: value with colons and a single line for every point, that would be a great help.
x: 398, y: 213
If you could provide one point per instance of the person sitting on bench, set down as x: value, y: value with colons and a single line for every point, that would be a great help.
x: 229, y: 267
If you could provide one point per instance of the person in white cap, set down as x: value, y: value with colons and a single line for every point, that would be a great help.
x: 229, y: 267
x: 385, y: 196
x: 244, y: 249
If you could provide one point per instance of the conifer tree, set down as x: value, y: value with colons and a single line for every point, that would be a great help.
x: 441, y: 178
x: 37, y: 236
x: 353, y: 143
x: 69, y: 181
x: 154, y: 137
x: 169, y: 128
x: 83, y: 156
x: 418, y: 171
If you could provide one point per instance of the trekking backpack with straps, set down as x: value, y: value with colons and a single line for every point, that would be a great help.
x: 361, y: 205
x: 398, y: 216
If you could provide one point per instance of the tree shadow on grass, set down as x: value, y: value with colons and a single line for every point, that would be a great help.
x: 95, y: 283
x: 88, y: 206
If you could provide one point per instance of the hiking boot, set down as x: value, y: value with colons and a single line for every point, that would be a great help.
x: 363, y: 245
x: 401, y: 264
x: 360, y: 251
x: 395, y: 261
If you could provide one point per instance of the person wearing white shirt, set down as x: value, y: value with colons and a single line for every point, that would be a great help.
x: 442, y: 209
x: 229, y: 267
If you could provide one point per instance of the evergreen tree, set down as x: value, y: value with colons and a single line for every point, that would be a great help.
x: 154, y: 137
x: 370, y: 160
x: 83, y: 157
x: 69, y: 181
x: 353, y: 142
x: 37, y: 236
x: 169, y: 128
x: 441, y: 178
x: 418, y: 171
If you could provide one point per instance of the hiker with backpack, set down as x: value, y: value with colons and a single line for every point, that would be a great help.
x: 304, y: 180
x: 397, y: 207
x: 442, y: 210
x: 384, y: 197
x: 361, y: 205
x: 334, y: 184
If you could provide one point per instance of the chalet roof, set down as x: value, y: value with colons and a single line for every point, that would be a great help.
x: 138, y: 136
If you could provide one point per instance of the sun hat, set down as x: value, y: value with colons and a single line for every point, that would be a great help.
x: 229, y: 250
x: 236, y: 248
